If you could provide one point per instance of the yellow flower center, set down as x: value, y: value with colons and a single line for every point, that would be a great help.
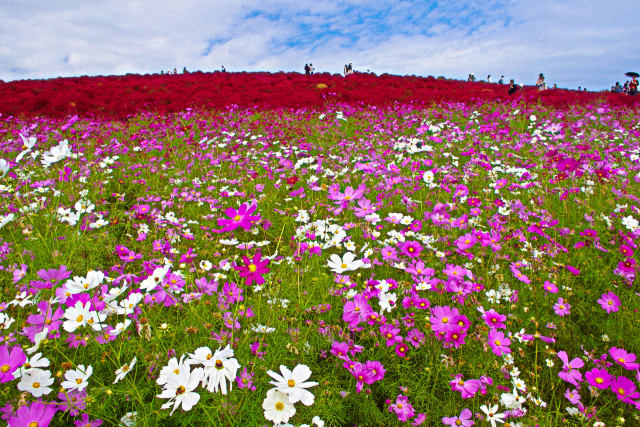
x: 252, y: 268
x: 33, y: 424
x: 599, y: 380
x: 36, y: 385
x: 237, y: 218
x: 279, y: 406
x: 79, y: 318
x: 219, y: 364
x: 621, y: 391
x: 497, y: 342
x: 78, y: 380
x: 343, y: 265
x: 180, y: 390
x: 5, y: 368
x: 291, y: 383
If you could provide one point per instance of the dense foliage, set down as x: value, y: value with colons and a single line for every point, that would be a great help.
x: 119, y: 96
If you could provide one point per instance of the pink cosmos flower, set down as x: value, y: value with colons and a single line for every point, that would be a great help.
x: 356, y: 311
x: 46, y: 319
x: 10, y: 361
x: 401, y: 349
x: 455, y: 272
x: 572, y: 270
x: 466, y: 241
x: 253, y: 269
x: 363, y: 375
x: 626, y: 250
x: 572, y: 396
x: 624, y: 359
x: 84, y: 421
x: 494, y: 320
x: 624, y: 389
x: 238, y: 218
x: 390, y: 333
x: 550, y: 287
x: 570, y: 371
x: 465, y: 419
x: 562, y: 307
x: 411, y: 248
x: 389, y: 254
x: 598, y: 378
x: 467, y: 389
x: 37, y: 414
x: 402, y: 408
x: 609, y: 302
x: 499, y: 343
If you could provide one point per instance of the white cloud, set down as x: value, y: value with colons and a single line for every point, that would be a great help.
x: 574, y: 42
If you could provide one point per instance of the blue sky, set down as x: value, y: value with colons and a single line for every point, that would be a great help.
x: 574, y: 43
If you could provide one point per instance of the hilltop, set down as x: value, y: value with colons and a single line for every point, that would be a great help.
x: 120, y: 96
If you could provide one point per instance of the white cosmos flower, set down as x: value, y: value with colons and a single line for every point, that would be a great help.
x: 219, y: 367
x: 55, y: 154
x: 492, y: 416
x: 36, y: 381
x: 155, y: 279
x: 346, y: 263
x: 293, y: 383
x: 173, y: 369
x: 83, y: 284
x: 36, y: 361
x: 179, y: 389
x: 512, y: 400
x: 128, y: 305
x: 76, y: 316
x: 5, y: 219
x: 77, y: 379
x: 262, y: 329
x: 124, y: 369
x: 4, y: 166
x: 277, y: 407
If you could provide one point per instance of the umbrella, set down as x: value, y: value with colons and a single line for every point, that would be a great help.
x: 632, y: 74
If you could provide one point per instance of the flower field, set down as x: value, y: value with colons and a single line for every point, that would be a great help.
x: 325, y: 262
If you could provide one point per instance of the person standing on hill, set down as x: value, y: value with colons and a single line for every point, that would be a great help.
x: 540, y: 83
x: 307, y: 69
x: 512, y: 87
x: 501, y: 81
x: 633, y: 86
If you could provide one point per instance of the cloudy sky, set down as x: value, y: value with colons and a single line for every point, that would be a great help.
x: 588, y: 43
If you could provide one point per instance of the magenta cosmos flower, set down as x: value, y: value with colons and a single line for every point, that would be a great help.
x: 609, y: 302
x: 38, y: 414
x: 238, y: 218
x: 493, y: 319
x: 499, y: 343
x: 570, y: 371
x: 411, y: 248
x: 253, y: 269
x: 624, y: 359
x: 562, y: 307
x: 624, y: 389
x: 402, y: 408
x: 10, y: 361
x: 598, y: 378
x: 465, y: 419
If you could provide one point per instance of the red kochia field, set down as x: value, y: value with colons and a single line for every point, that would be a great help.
x: 118, y: 96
